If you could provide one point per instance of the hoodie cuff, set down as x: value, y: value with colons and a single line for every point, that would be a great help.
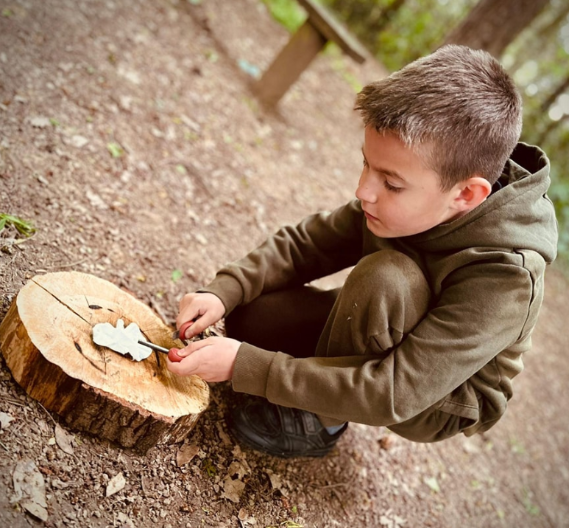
x: 228, y: 289
x: 251, y: 370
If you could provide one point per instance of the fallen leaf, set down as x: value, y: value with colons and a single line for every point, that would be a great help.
x: 95, y: 200
x: 116, y: 484
x: 432, y: 483
x: 29, y: 488
x: 223, y: 435
x: 115, y: 150
x: 77, y: 141
x: 470, y: 447
x: 277, y: 483
x: 201, y: 239
x: 232, y: 489
x: 130, y: 75
x: 399, y: 521
x: 238, y: 469
x: 64, y: 439
x: 125, y: 520
x: 40, y: 122
x: 5, y: 420
x: 186, y: 453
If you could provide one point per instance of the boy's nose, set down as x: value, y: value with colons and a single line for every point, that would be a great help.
x: 365, y: 192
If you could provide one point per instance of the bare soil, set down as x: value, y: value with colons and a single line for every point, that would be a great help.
x: 130, y: 138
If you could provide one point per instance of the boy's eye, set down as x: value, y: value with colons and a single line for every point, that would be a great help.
x: 365, y: 162
x: 391, y: 188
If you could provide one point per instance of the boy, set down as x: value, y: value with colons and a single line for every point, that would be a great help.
x: 449, y: 237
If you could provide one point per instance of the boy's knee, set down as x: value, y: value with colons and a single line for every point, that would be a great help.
x: 432, y: 425
x: 392, y: 273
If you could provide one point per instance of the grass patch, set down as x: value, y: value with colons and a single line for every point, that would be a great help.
x: 22, y: 226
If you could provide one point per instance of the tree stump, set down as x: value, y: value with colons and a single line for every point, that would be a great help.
x: 46, y: 339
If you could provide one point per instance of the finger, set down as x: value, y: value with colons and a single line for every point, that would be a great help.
x: 183, y: 330
x: 185, y: 368
x: 197, y: 326
x: 187, y: 314
x: 193, y: 347
x: 186, y: 300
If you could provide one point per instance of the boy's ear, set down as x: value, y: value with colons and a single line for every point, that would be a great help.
x: 471, y: 193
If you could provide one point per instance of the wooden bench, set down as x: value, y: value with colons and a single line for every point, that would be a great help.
x: 319, y: 28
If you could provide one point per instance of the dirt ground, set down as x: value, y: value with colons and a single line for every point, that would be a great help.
x: 131, y: 140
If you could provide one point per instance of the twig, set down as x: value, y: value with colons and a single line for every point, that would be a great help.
x: 158, y: 309
x: 13, y: 401
x: 338, y: 485
x: 1, y: 444
x: 52, y: 419
x: 72, y: 264
x: 341, y: 503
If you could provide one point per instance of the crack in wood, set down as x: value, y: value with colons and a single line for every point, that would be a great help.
x: 102, y: 352
x: 60, y: 301
x: 99, y: 349
x: 104, y: 371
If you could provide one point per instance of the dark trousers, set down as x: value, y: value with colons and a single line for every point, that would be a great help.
x: 383, y: 298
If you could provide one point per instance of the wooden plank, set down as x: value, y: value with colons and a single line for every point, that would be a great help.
x: 299, y: 52
x: 332, y: 30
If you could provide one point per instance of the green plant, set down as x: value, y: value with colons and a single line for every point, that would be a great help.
x: 22, y: 226
x: 286, y: 12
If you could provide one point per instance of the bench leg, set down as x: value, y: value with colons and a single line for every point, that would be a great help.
x: 294, y: 58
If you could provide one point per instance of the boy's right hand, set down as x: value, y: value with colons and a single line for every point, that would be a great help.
x: 204, y: 309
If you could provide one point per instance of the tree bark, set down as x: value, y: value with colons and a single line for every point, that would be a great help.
x: 493, y: 24
x: 46, y: 340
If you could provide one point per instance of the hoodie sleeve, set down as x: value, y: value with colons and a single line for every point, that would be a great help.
x: 318, y: 246
x: 481, y: 312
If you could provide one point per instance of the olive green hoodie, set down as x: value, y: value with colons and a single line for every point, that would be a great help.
x: 486, y: 272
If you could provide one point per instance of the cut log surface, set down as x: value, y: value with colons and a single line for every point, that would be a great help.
x: 46, y: 340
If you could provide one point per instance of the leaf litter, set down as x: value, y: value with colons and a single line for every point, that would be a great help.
x: 64, y: 440
x: 29, y: 489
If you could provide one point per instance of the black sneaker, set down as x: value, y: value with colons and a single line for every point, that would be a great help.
x: 281, y: 431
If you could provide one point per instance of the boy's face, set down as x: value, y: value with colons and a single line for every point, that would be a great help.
x: 399, y: 195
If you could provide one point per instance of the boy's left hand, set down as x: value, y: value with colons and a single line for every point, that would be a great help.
x: 211, y: 359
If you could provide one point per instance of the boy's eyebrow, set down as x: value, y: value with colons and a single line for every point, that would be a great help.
x: 387, y: 172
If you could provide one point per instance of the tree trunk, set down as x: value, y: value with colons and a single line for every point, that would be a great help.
x: 46, y: 340
x: 493, y: 24
x: 545, y: 34
x: 550, y: 128
x: 555, y: 94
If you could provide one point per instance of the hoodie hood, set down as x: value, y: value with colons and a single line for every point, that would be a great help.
x: 519, y: 215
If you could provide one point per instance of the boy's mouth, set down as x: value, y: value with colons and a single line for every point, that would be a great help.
x: 370, y: 217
